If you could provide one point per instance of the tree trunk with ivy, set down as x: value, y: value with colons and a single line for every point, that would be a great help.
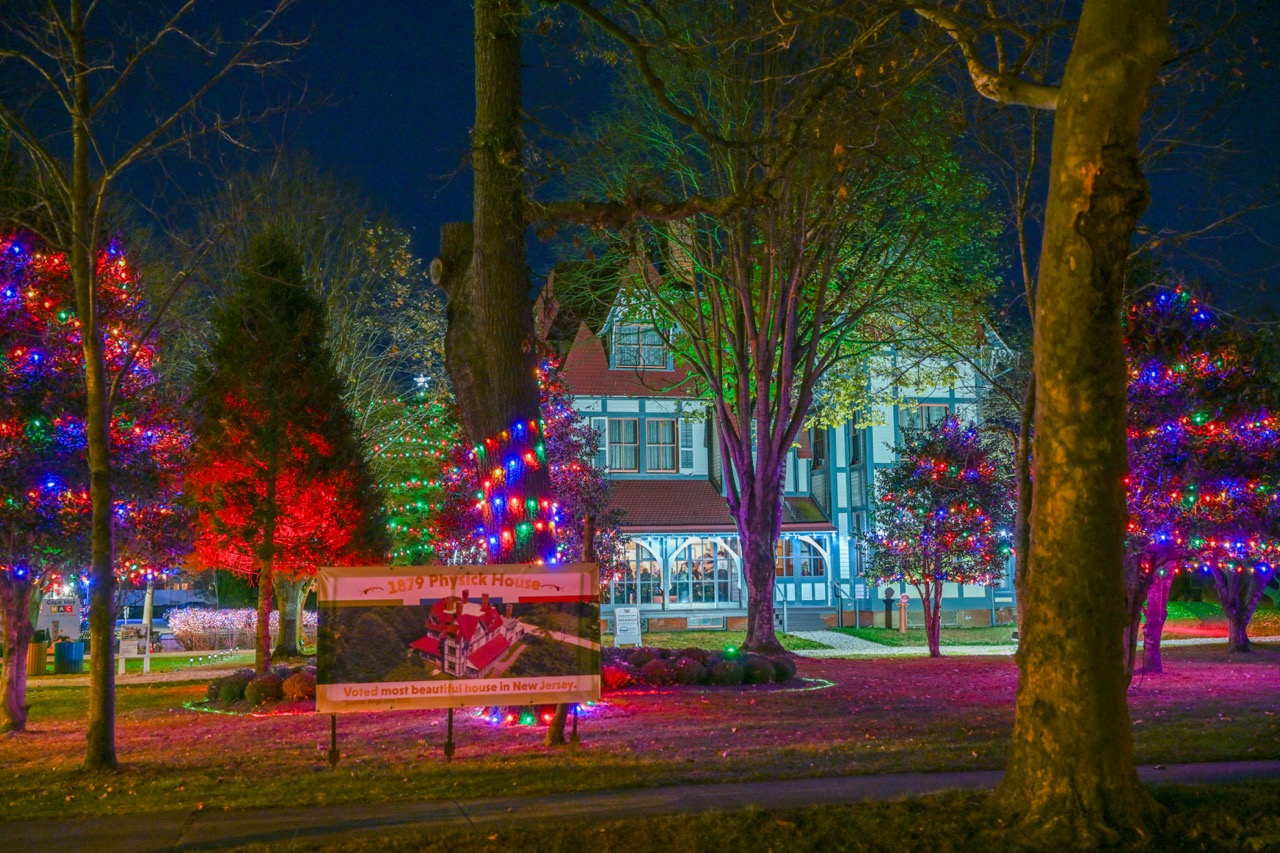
x: 1070, y: 778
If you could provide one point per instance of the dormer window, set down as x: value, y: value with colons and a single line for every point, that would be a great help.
x: 638, y: 347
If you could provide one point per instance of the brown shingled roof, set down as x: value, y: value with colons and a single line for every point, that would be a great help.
x: 694, y: 506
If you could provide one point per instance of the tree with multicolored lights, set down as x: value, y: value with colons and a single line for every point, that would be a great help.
x: 45, y: 511
x: 1204, y: 486
x: 278, y: 476
x: 586, y: 525
x: 942, y: 514
x: 411, y: 466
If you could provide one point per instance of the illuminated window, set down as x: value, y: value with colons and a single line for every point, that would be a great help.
x: 638, y: 346
x: 798, y: 558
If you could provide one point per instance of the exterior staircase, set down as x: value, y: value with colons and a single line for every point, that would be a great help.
x: 802, y: 618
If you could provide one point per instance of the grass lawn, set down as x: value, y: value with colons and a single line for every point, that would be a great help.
x: 1229, y: 817
x: 874, y: 716
x: 172, y: 663
x: 1206, y: 619
x: 949, y: 636
x: 714, y: 640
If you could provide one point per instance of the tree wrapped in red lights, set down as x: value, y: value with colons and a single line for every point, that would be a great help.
x: 277, y: 475
x: 942, y: 514
x: 44, y: 472
x: 1203, y: 483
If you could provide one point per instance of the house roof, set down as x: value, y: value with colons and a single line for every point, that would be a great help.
x: 487, y: 653
x: 587, y: 373
x: 694, y: 506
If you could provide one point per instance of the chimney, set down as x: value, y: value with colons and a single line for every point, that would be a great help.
x: 466, y: 596
x: 484, y: 601
x: 510, y: 608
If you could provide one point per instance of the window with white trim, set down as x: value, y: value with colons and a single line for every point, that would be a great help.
x: 624, y: 445
x: 660, y: 445
x: 638, y: 347
x: 798, y: 558
x: 686, y: 446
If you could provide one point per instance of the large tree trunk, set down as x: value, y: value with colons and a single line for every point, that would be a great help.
x: 15, y: 604
x: 1156, y: 610
x: 1070, y: 778
x: 1024, y: 489
x: 555, y: 731
x: 289, y: 594
x: 759, y: 522
x: 1239, y: 593
x: 266, y: 569
x: 490, y: 349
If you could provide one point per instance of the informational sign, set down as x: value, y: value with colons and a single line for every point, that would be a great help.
x: 404, y: 637
x: 626, y: 626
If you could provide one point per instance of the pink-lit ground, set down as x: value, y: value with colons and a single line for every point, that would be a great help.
x: 877, y: 716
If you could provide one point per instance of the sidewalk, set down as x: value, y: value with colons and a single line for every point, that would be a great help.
x: 211, y: 830
x: 846, y: 646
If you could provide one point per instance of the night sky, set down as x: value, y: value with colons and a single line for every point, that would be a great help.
x: 397, y: 79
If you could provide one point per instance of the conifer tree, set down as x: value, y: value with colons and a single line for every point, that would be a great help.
x: 278, y: 475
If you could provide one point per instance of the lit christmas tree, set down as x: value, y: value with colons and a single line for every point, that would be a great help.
x: 411, y: 468
x: 942, y: 515
x: 1203, y: 480
x: 45, y: 509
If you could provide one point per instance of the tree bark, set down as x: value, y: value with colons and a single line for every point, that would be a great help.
x: 100, y: 729
x: 266, y: 572
x: 1239, y: 593
x: 555, y: 730
x: 931, y: 599
x: 1070, y: 779
x: 1156, y: 610
x: 758, y: 518
x: 289, y: 593
x: 1024, y: 486
x: 490, y: 348
x: 15, y: 602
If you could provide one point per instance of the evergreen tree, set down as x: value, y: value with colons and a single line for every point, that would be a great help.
x: 943, y: 514
x: 278, y: 476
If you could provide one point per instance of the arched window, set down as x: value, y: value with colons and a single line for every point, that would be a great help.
x: 638, y: 580
x: 798, y: 558
x: 705, y: 571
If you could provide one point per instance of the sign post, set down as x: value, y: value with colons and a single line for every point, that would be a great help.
x: 626, y: 626
x: 902, y: 614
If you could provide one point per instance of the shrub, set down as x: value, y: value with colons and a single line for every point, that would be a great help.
x: 264, y: 688
x: 640, y: 657
x: 695, y: 653
x: 726, y: 672
x: 658, y: 672
x: 690, y: 671
x: 231, y: 688
x: 299, y: 687
x: 214, y: 687
x: 757, y: 669
x: 615, y: 677
x: 283, y: 670
x: 784, y: 669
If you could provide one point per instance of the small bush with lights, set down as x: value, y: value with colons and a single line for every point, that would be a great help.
x: 652, y: 667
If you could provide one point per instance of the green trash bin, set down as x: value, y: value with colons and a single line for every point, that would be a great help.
x: 68, y: 658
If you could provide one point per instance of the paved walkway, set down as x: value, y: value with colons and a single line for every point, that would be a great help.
x: 354, y: 823
x: 846, y: 646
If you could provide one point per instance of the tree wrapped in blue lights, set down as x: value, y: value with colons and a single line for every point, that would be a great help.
x: 1203, y: 483
x: 942, y: 514
x: 45, y: 506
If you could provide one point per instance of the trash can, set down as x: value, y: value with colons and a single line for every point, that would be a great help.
x: 37, y: 658
x: 68, y: 658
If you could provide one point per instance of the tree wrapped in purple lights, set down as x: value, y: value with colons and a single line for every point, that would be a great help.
x: 942, y: 514
x: 1203, y: 483
x: 44, y: 473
